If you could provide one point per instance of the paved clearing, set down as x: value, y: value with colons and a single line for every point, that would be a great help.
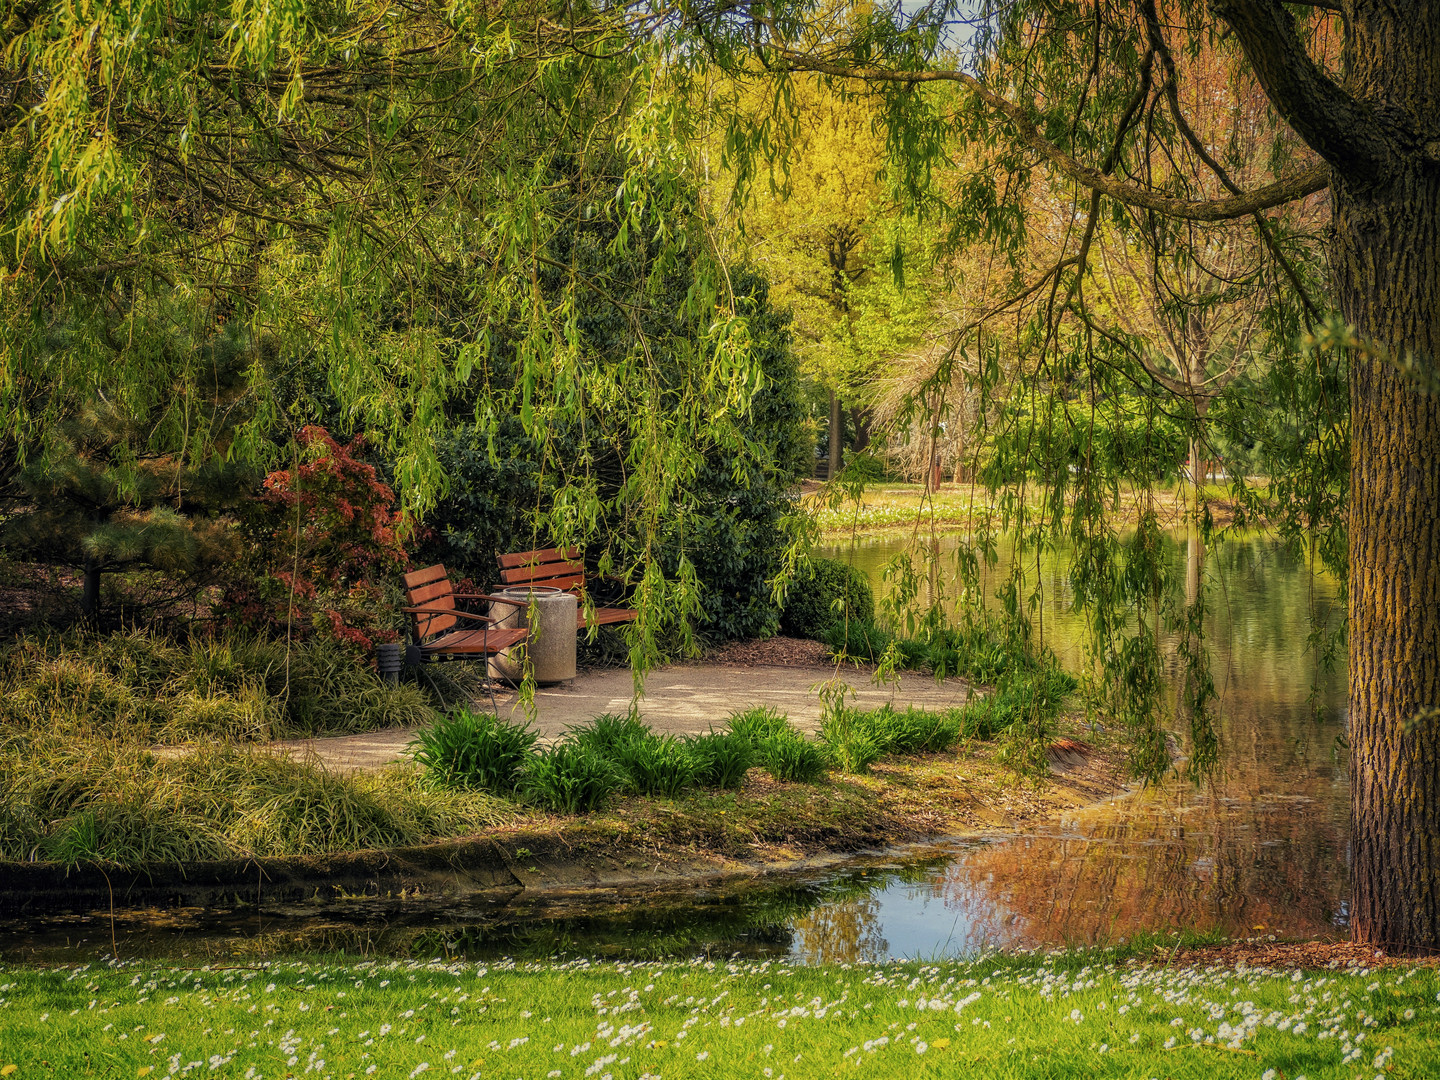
x: 682, y: 700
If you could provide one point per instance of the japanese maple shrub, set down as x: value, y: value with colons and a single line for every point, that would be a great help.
x: 327, y: 555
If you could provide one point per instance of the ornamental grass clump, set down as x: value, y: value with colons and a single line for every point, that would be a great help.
x: 851, y: 741
x: 570, y: 778
x: 71, y: 801
x: 912, y: 731
x: 142, y: 685
x: 721, y: 758
x: 758, y: 723
x: 473, y: 751
x: 788, y: 755
x: 656, y: 765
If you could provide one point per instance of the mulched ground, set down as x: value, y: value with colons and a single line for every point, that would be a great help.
x: 1297, y: 954
x: 772, y: 652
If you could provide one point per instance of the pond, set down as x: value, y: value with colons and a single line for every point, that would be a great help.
x: 1260, y: 850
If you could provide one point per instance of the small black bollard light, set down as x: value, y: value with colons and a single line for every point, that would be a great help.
x: 387, y: 662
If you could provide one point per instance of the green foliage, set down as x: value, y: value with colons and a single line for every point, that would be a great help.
x: 570, y: 778
x: 860, y: 737
x: 609, y: 733
x: 758, y: 723
x: 859, y: 640
x: 473, y: 751
x: 650, y: 764
x: 98, y: 497
x: 824, y: 592
x: 912, y: 730
x: 721, y: 759
x: 72, y: 800
x: 851, y: 742
x: 788, y: 755
x: 142, y: 686
x: 656, y: 764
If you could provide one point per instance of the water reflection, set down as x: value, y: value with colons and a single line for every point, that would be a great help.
x: 1263, y: 847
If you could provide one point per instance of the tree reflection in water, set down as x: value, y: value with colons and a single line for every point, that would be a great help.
x: 1263, y: 846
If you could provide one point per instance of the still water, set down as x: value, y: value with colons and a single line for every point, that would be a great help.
x: 1260, y: 850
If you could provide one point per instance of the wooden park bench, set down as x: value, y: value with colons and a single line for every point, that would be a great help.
x: 442, y: 631
x: 557, y: 569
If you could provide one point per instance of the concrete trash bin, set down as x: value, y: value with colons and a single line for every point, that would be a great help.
x: 551, y: 644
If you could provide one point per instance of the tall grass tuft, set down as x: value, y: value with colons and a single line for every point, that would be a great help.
x: 851, y: 741
x: 74, y: 801
x: 466, y: 750
x: 570, y: 778
x: 721, y: 759
x: 758, y: 723
x: 788, y: 755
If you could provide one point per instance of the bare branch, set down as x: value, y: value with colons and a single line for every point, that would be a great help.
x: 1342, y: 130
x: 1307, y: 182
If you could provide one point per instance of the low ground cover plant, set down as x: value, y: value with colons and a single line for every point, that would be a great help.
x: 145, y: 686
x: 1061, y: 1015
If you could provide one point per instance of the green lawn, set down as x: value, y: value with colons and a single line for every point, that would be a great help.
x: 995, y: 1018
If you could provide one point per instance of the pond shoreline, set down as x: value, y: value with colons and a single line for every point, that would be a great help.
x: 705, y: 841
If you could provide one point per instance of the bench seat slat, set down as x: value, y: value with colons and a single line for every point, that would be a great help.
x: 475, y: 642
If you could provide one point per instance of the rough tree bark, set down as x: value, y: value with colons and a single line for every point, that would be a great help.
x: 1380, y: 132
x: 836, y: 436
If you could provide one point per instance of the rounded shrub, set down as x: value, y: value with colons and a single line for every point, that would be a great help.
x: 810, y: 605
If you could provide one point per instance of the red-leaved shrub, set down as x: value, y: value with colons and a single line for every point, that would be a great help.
x: 327, y: 556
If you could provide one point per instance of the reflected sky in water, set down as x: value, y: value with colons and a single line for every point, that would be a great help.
x: 1261, y: 849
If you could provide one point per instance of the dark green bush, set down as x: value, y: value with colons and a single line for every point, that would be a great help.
x: 811, y: 602
x: 788, y: 755
x: 570, y: 778
x: 721, y: 759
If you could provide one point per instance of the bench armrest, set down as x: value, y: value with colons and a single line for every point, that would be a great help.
x: 492, y: 599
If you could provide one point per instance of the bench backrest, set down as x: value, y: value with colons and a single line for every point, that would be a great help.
x: 553, y: 567
x: 430, y: 588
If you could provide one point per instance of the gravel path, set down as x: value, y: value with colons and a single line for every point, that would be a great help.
x: 681, y: 700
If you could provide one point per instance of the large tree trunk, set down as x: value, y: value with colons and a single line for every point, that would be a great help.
x: 1386, y: 259
x: 860, y: 417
